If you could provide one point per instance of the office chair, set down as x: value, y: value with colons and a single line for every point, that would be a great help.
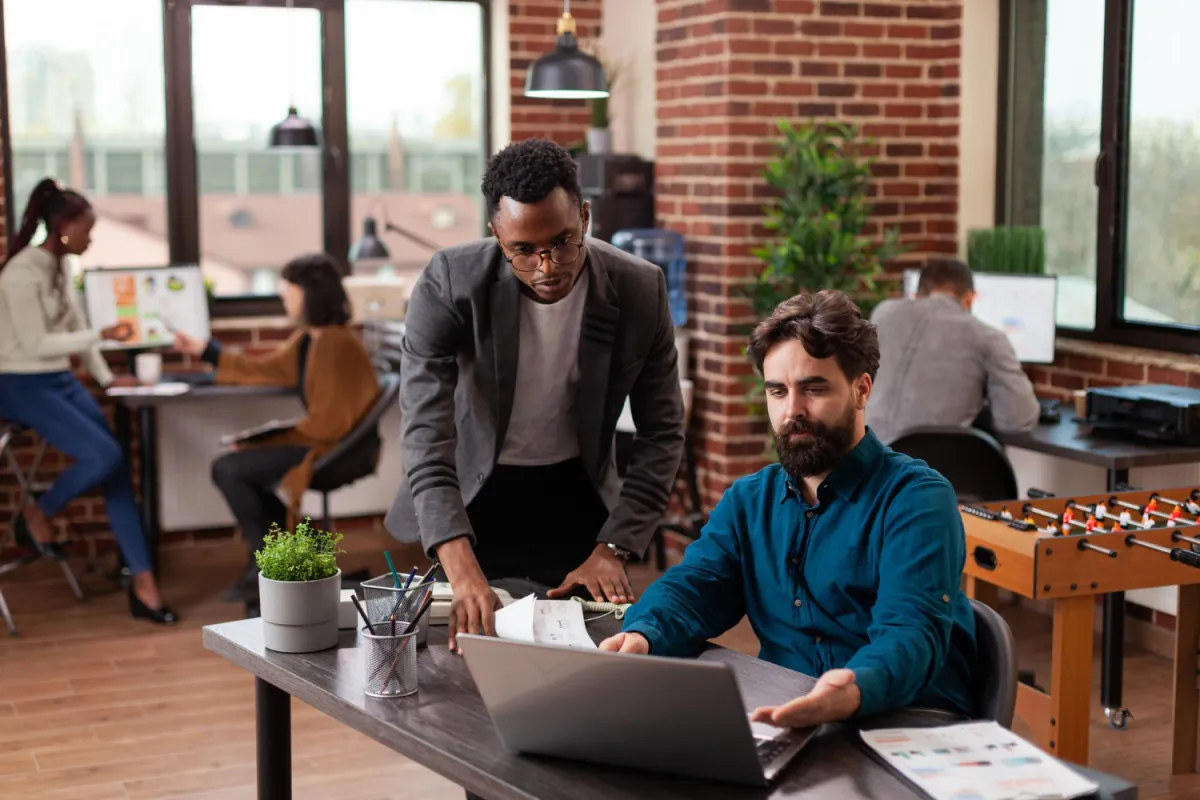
x: 973, y: 461
x: 28, y: 489
x: 357, y: 456
x: 996, y: 671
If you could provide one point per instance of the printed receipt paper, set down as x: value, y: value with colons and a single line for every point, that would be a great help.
x: 557, y: 622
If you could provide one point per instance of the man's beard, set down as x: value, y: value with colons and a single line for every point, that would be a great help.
x: 828, y: 445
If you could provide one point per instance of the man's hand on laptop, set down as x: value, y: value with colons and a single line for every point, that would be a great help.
x: 626, y: 643
x: 604, y: 576
x: 835, y: 697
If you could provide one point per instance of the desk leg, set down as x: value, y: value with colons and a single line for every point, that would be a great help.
x: 1186, y: 696
x: 1112, y: 648
x: 148, y: 458
x: 273, y: 711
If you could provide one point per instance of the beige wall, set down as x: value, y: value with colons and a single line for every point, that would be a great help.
x: 977, y: 126
x: 627, y: 41
x: 500, y: 90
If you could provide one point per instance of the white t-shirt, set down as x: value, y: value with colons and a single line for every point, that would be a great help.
x: 543, y: 427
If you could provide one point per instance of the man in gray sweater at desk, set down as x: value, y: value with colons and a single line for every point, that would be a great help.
x: 938, y: 362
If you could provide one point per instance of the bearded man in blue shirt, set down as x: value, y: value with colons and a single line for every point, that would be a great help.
x: 846, y: 555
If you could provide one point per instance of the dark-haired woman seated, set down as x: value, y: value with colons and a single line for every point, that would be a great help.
x: 40, y: 329
x: 327, y: 363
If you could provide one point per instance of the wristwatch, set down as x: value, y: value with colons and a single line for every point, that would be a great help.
x: 620, y: 552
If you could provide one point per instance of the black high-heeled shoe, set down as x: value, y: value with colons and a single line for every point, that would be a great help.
x: 159, y: 616
x: 24, y: 538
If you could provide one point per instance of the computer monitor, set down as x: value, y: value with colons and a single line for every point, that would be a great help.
x: 1023, y: 306
x: 154, y: 301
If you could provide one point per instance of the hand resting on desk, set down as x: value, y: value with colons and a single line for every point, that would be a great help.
x: 835, y: 697
x: 633, y: 643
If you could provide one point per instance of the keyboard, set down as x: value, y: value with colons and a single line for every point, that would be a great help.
x: 770, y: 749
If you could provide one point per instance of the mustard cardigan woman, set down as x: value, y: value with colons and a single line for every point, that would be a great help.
x: 328, y: 364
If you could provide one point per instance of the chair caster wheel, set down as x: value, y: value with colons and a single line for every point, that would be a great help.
x: 1118, y: 717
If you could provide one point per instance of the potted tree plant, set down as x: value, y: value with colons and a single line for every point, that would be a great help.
x: 299, y: 587
x: 817, y: 224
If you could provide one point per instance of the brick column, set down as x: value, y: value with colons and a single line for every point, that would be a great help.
x: 728, y: 70
x: 533, y: 30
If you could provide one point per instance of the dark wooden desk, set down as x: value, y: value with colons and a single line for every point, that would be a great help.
x: 1074, y: 440
x: 146, y: 408
x: 446, y: 728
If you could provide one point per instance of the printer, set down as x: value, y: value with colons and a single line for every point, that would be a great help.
x: 1159, y: 412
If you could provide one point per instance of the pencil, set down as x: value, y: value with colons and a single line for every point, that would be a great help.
x: 392, y: 567
x: 361, y: 613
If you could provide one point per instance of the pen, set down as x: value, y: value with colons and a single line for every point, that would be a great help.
x: 420, y: 613
x: 361, y: 613
x: 392, y: 567
x: 411, y: 574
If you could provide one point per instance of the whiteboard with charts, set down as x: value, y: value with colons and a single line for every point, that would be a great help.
x: 154, y: 301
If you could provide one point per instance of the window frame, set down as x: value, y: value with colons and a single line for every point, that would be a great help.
x: 182, y: 179
x: 1020, y: 20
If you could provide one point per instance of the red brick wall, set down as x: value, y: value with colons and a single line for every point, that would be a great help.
x: 728, y: 70
x: 532, y: 32
x: 1084, y: 365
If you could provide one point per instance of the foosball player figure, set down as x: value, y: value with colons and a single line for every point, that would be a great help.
x: 1101, y: 510
x: 1116, y: 528
x: 1004, y: 513
x: 1052, y: 528
x: 1152, y: 505
x: 1029, y: 520
x: 1126, y: 518
x: 1147, y: 522
x: 1067, y: 516
x: 1173, y: 517
x: 1091, y: 524
x: 1192, y: 506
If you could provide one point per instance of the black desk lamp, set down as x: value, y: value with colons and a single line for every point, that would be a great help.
x: 370, y: 246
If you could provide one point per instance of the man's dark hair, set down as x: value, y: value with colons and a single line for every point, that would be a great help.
x: 325, y: 299
x: 943, y: 275
x: 528, y: 171
x: 827, y: 323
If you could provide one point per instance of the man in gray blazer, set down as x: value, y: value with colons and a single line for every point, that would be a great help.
x: 518, y: 356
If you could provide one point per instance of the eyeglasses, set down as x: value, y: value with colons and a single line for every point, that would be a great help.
x: 561, y: 255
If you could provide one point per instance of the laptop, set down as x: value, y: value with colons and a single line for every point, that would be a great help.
x: 669, y: 715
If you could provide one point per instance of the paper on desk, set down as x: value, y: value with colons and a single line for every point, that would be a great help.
x: 153, y: 390
x: 975, y: 761
x: 558, y: 622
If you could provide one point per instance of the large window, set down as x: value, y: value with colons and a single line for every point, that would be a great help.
x: 173, y: 152
x: 85, y: 106
x: 416, y: 155
x: 1100, y: 147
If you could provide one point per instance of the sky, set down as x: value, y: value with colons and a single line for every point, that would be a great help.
x: 1165, y: 59
x: 249, y: 63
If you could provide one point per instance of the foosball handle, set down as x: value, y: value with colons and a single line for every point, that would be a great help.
x: 1185, y: 557
x: 1038, y: 494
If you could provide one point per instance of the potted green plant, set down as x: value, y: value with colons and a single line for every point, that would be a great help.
x: 817, y: 224
x: 299, y: 588
x: 1018, y: 249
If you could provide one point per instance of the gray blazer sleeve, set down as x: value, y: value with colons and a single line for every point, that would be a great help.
x: 429, y: 367
x: 656, y: 402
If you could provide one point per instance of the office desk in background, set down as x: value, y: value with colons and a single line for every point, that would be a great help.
x: 146, y: 408
x: 1073, y: 440
x: 446, y: 728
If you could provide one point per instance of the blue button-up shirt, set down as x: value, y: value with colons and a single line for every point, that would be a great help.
x: 868, y: 578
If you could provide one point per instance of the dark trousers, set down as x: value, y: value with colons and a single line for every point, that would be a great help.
x: 247, y: 479
x: 536, y: 522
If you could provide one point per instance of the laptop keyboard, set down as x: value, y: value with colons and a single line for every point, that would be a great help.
x: 769, y: 749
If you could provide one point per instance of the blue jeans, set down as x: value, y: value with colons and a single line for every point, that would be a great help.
x: 60, y: 410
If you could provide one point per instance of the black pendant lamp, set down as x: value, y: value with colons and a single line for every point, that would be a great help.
x: 567, y: 73
x: 370, y: 246
x: 295, y: 130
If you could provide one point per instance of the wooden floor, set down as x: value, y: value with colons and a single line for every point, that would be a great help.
x: 96, y: 705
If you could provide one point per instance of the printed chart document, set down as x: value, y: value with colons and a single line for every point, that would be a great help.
x: 975, y: 761
x: 557, y: 622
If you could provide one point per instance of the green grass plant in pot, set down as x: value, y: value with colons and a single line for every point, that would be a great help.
x: 299, y: 587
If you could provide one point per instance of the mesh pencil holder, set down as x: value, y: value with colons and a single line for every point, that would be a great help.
x: 389, y: 661
x: 383, y: 599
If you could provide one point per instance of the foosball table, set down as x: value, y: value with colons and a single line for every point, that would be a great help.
x: 1069, y: 550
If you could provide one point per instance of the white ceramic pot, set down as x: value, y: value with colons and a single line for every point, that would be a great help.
x: 300, y: 616
x: 599, y: 141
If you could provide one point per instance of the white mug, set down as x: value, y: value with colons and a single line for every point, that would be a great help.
x: 148, y: 367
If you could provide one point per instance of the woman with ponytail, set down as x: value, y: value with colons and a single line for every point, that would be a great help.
x: 40, y: 329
